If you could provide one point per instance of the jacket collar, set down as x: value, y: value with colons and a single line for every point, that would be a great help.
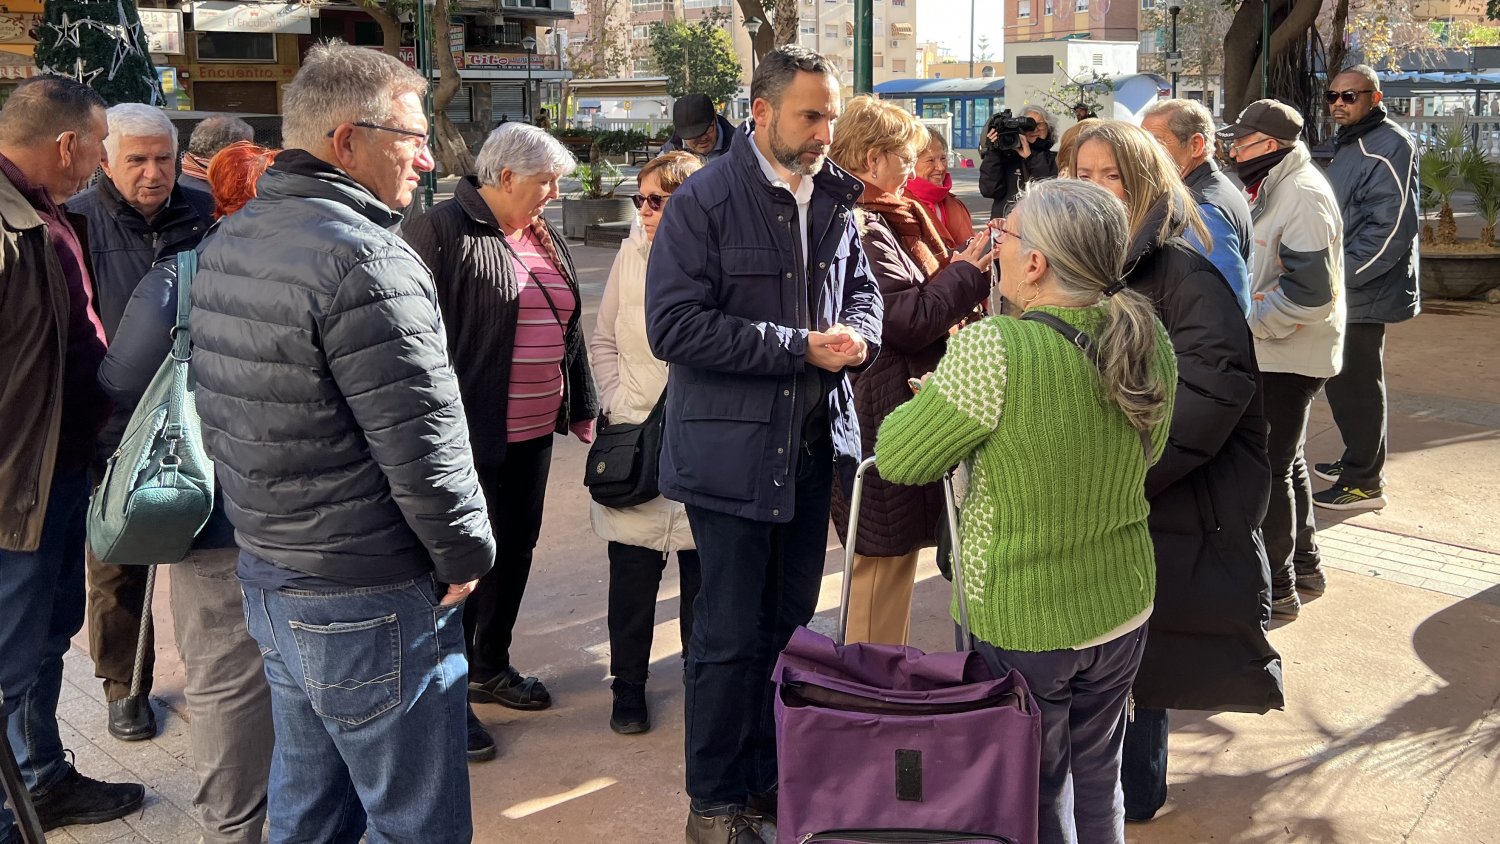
x: 1144, y: 241
x: 466, y: 194
x: 1297, y: 157
x: 1353, y: 132
x: 298, y: 174
x: 16, y: 210
x: 833, y: 181
x: 1201, y: 175
x: 177, y: 209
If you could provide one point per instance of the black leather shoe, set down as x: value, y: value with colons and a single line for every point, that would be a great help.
x: 731, y: 827
x: 629, y: 715
x: 76, y: 799
x: 132, y: 718
x: 481, y: 744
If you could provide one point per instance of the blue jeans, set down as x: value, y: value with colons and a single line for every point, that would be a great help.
x: 369, y: 700
x: 760, y: 583
x: 42, y: 596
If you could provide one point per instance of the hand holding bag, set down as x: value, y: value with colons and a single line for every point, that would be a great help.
x: 158, y: 486
x: 621, y: 470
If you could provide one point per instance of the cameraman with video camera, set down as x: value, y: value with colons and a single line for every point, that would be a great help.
x: 1013, y: 151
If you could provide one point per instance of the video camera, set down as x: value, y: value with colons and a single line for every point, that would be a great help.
x: 1007, y: 128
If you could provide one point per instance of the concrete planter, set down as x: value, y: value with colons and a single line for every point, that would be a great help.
x: 579, y: 214
x: 1459, y: 275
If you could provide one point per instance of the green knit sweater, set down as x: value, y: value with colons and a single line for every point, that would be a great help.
x: 1055, y: 548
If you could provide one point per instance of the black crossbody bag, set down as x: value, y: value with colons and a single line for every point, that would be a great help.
x: 623, y: 460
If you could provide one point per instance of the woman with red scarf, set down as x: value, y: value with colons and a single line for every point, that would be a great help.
x: 932, y: 186
x: 928, y: 289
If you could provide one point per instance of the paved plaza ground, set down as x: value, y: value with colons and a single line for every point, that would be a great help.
x: 1391, y: 731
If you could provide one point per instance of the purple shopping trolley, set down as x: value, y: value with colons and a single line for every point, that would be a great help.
x: 885, y: 743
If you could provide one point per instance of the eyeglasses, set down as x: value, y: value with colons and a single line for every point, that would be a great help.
x: 655, y: 200
x: 1004, y: 232
x: 424, y: 137
x: 1349, y: 97
x: 1235, y: 149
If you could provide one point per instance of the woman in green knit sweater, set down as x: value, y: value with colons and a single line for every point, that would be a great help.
x: 1057, y: 560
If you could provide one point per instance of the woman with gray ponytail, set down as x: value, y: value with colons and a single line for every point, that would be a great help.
x: 1058, y: 415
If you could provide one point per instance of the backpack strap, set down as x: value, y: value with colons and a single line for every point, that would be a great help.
x: 182, y: 341
x: 1090, y: 349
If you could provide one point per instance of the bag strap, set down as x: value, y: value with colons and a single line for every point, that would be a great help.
x: 1090, y: 349
x: 182, y: 341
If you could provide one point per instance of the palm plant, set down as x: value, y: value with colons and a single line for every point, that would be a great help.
x: 1441, y: 174
x: 1483, y: 180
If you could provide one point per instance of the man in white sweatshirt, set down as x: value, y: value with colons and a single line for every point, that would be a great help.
x: 1297, y: 317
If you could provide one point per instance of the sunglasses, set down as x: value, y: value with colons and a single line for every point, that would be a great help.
x: 655, y: 200
x: 1349, y: 97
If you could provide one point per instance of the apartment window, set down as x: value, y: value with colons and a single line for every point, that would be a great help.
x: 704, y: 4
x: 1148, y: 4
x: 1080, y: 5
x: 898, y: 2
x: 1151, y: 41
x: 1047, y: 7
x: 646, y: 5
x: 830, y: 32
x: 1023, y: 8
x: 880, y: 60
x: 642, y: 33
x: 898, y: 65
x: 809, y: 30
x: 880, y: 27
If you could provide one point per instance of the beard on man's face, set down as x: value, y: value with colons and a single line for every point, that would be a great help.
x: 792, y: 157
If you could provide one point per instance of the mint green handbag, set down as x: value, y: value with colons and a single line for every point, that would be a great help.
x: 158, y: 487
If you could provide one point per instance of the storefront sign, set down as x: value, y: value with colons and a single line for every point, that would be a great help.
x: 244, y: 73
x: 11, y: 71
x: 502, y: 61
x: 15, y: 27
x: 163, y: 30
x: 224, y: 16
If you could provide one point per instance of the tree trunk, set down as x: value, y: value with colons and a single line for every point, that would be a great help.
x: 390, y: 26
x: 1447, y: 228
x: 787, y: 16
x: 764, y: 40
x: 449, y: 146
x: 1242, y: 48
x: 1338, y: 48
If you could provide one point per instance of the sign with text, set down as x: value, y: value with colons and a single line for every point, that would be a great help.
x: 504, y: 61
x: 244, y: 73
x: 163, y: 30
x: 224, y: 16
x: 16, y: 27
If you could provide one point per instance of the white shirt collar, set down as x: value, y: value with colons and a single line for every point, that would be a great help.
x: 804, y: 191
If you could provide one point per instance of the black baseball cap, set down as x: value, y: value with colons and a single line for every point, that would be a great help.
x: 1269, y: 117
x: 692, y: 114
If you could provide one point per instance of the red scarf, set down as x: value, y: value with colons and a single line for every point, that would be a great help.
x: 912, y: 225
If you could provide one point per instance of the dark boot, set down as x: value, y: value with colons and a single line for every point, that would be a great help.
x: 733, y: 826
x: 132, y: 718
x: 629, y: 715
x: 481, y: 743
x: 76, y: 799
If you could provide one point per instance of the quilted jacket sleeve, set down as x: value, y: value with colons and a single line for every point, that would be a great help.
x: 1216, y: 374
x: 385, y: 347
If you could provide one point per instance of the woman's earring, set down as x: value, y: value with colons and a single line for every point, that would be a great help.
x: 1036, y: 290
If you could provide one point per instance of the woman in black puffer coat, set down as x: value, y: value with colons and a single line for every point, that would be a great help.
x: 1207, y: 646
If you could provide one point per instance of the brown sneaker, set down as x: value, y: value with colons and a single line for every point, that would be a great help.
x: 733, y: 826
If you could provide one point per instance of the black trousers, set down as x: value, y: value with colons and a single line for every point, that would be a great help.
x: 634, y: 577
x: 1143, y: 763
x: 1289, y: 526
x: 1357, y: 398
x: 515, y: 490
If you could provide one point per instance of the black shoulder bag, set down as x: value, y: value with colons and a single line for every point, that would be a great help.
x: 623, y: 459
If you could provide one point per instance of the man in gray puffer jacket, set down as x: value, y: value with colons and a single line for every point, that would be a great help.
x: 1374, y: 174
x: 333, y: 415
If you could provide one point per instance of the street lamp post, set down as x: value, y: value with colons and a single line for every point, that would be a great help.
x: 1174, y: 11
x: 530, y: 44
x: 752, y: 26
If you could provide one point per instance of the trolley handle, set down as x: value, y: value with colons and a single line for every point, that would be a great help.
x: 951, y: 509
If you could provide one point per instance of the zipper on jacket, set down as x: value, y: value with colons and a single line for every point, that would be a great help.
x: 797, y: 300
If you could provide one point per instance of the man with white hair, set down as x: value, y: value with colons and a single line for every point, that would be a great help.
x: 340, y: 444
x: 136, y: 217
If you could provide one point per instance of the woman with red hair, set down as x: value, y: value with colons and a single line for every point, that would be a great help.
x: 226, y: 689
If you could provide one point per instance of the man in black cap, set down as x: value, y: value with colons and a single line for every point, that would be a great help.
x: 699, y: 129
x: 1297, y: 316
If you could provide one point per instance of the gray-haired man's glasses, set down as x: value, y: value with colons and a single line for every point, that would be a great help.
x: 424, y: 137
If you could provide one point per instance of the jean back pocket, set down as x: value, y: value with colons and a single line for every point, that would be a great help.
x: 352, y: 670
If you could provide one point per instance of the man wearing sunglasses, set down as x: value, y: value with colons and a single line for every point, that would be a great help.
x: 698, y: 128
x: 1374, y: 174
